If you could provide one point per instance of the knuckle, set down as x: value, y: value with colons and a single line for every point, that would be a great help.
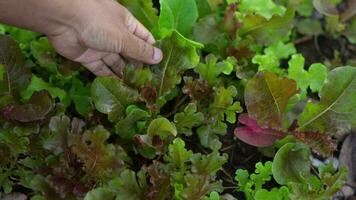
x: 147, y: 37
x: 143, y: 49
x: 119, y: 44
x: 97, y: 70
x: 102, y: 71
x: 130, y: 22
x: 94, y: 67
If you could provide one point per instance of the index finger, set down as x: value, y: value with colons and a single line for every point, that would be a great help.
x: 138, y: 49
x: 138, y: 29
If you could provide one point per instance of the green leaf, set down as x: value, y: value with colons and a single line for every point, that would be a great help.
x: 231, y: 1
x: 266, y: 98
x: 128, y: 126
x: 204, y: 7
x: 224, y: 104
x: 281, y: 193
x: 242, y: 177
x: 213, y: 196
x: 2, y: 71
x: 16, y: 143
x: 179, y: 15
x: 280, y: 50
x: 332, y: 178
x: 100, y: 159
x: 161, y: 127
x: 188, y: 119
x: 81, y: 96
x: 212, y: 68
x: 44, y: 53
x: 209, y: 164
x: 267, y: 63
x: 265, y: 8
x: 222, y: 108
x: 334, y: 25
x: 5, y: 183
x: 137, y: 78
x: 24, y: 37
x: 270, y: 60
x: 291, y: 163
x: 178, y: 154
x: 99, y: 194
x: 111, y: 97
x: 336, y: 108
x: 39, y: 106
x: 3, y: 29
x: 351, y: 32
x: 262, y: 174
x: 38, y: 84
x: 314, y: 78
x: 309, y: 27
x: 16, y: 75
x: 197, y: 186
x: 214, y: 4
x: 127, y: 186
x: 38, y: 197
x: 160, y: 133
x: 296, y: 71
x: 252, y: 185
x: 317, y: 76
x: 143, y: 10
x: 266, y: 32
x: 209, y: 133
x: 180, y: 54
x: 325, y: 185
x: 207, y: 32
x: 305, y: 8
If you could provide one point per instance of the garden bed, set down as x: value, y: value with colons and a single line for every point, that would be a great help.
x: 248, y: 94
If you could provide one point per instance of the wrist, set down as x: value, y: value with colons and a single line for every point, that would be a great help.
x: 57, y: 15
x: 44, y: 16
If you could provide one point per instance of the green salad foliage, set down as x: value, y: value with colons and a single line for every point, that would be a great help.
x: 233, y: 72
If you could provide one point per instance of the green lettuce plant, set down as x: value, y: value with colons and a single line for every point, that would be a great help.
x: 232, y: 70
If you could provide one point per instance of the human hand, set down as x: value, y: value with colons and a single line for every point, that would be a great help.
x: 99, y: 33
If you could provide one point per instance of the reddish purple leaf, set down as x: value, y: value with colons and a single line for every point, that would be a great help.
x: 39, y: 106
x: 149, y: 96
x: 266, y: 98
x: 321, y: 143
x: 17, y: 74
x: 255, y: 135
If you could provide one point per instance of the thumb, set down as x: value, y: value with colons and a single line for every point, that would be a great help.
x: 138, y: 49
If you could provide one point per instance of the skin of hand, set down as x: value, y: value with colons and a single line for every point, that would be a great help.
x: 95, y: 33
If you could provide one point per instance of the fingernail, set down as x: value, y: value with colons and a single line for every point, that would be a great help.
x: 157, y: 55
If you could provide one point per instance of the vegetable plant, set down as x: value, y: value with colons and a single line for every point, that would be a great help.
x: 248, y: 92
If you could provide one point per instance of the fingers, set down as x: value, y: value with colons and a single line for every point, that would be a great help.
x: 137, y: 49
x: 135, y: 27
x: 90, y: 56
x: 102, y: 63
x: 126, y: 37
x: 99, y: 68
x: 137, y: 42
x: 123, y: 42
x: 116, y: 63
